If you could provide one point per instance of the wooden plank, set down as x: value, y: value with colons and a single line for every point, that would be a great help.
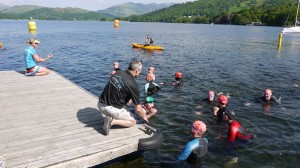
x: 56, y: 123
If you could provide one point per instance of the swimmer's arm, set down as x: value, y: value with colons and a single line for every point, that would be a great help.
x: 185, y: 153
x: 216, y: 109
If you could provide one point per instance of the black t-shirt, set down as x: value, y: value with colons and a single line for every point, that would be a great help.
x: 120, y: 89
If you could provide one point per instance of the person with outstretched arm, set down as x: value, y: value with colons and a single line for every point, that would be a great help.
x: 31, y: 59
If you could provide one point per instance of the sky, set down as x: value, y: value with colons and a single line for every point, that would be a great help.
x: 92, y: 5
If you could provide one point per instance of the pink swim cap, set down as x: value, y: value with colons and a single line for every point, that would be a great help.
x: 151, y: 68
x: 199, y: 126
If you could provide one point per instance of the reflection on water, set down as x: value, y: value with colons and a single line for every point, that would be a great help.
x: 239, y: 60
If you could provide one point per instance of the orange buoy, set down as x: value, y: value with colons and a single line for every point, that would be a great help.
x: 116, y: 23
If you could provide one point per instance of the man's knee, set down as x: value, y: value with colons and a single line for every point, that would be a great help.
x: 132, y: 122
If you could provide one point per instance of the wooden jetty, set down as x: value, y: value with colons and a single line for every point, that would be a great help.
x: 49, y: 121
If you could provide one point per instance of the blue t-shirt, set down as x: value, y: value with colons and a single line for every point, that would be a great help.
x: 28, y: 57
x: 189, y: 147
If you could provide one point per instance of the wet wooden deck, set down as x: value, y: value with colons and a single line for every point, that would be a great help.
x: 49, y: 121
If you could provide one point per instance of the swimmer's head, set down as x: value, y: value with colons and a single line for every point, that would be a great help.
x: 151, y: 69
x: 116, y: 65
x: 211, y: 95
x: 268, y: 94
x: 222, y: 99
x: 150, y: 77
x: 149, y: 99
x: 178, y: 75
x: 198, y: 128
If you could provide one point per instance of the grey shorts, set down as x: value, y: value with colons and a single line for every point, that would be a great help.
x: 118, y: 114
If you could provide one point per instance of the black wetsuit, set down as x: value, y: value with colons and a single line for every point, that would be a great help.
x: 222, y: 110
x: 151, y: 88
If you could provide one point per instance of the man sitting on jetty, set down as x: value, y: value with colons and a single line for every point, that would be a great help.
x: 118, y: 91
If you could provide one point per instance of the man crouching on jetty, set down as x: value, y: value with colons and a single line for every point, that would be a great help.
x: 121, y: 88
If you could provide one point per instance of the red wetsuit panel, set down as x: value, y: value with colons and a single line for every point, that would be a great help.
x: 235, y: 132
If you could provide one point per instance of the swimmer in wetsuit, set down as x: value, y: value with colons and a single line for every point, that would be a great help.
x: 148, y: 107
x: 178, y: 79
x: 267, y: 100
x: 198, y: 147
x: 151, y: 87
x: 221, y: 108
x: 236, y: 130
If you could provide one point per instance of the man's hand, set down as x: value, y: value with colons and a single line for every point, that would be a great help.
x: 139, y: 110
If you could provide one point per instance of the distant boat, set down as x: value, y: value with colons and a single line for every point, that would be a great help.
x: 146, y: 47
x: 293, y: 29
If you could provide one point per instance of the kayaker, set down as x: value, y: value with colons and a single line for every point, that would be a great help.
x: 196, y: 149
x: 31, y: 59
x: 149, y: 41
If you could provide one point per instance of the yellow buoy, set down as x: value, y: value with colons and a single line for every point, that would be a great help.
x: 279, y: 40
x: 116, y: 23
x: 0, y: 45
x: 31, y: 24
x: 32, y: 32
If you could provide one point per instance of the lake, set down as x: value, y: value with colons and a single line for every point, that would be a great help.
x: 240, y: 61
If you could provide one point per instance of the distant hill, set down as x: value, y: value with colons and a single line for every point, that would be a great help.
x: 239, y: 12
x: 20, y: 9
x: 3, y: 7
x: 130, y: 8
x: 43, y: 13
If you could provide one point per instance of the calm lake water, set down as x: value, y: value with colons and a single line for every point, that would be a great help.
x: 240, y: 61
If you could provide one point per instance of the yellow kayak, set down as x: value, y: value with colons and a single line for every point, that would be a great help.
x: 147, y: 47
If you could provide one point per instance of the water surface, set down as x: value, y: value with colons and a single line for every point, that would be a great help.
x: 241, y: 61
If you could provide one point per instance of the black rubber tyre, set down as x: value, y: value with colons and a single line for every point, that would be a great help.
x: 151, y: 142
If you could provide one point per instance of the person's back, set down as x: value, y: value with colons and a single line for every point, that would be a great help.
x: 236, y: 130
x: 118, y: 92
x: 221, y: 108
x: 115, y: 92
x: 149, y: 41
